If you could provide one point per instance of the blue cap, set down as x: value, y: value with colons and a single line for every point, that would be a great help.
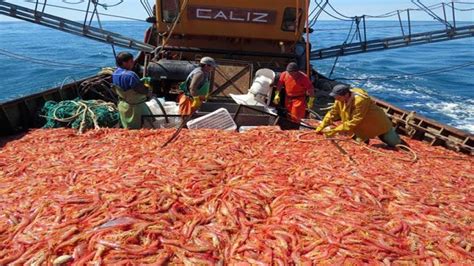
x: 340, y: 89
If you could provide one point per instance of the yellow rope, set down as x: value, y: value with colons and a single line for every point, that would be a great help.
x: 399, y: 146
x: 68, y: 119
x: 82, y: 111
x: 298, y: 137
x: 181, y: 11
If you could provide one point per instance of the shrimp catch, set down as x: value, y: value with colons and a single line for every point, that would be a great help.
x: 262, y: 197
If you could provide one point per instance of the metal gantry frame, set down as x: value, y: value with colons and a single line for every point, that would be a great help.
x: 393, y: 42
x: 81, y: 29
x: 450, y: 32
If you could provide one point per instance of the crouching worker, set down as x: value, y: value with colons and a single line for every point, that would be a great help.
x: 196, y: 87
x: 131, y: 91
x: 359, y: 115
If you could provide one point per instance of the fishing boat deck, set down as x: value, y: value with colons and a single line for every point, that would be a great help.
x: 24, y: 113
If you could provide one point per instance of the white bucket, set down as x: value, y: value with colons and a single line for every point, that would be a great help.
x: 262, y: 82
x: 154, y: 106
x: 245, y: 99
x: 170, y: 107
x: 260, y: 91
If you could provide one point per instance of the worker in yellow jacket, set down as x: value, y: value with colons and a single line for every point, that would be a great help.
x: 359, y: 116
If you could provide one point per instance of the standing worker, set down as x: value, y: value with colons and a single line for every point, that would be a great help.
x: 297, y: 87
x: 359, y: 116
x: 131, y: 91
x: 196, y: 87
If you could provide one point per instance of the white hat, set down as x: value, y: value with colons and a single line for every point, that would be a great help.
x: 208, y: 61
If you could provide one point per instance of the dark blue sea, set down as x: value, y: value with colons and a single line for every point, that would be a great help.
x: 446, y: 96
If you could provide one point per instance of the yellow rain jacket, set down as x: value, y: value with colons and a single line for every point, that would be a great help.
x: 361, y: 117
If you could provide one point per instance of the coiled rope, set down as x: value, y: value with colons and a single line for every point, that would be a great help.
x: 80, y: 114
x: 402, y: 147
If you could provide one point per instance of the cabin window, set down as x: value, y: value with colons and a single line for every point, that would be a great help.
x: 289, y: 19
x: 169, y: 10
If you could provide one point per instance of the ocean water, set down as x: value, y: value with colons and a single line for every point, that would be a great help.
x: 447, y: 96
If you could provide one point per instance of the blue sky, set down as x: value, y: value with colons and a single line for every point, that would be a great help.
x: 133, y: 8
x: 377, y: 7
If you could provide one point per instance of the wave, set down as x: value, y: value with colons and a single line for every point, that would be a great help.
x: 461, y: 113
x: 455, y: 111
x: 100, y: 55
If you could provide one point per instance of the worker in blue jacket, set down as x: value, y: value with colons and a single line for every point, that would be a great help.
x: 132, y: 92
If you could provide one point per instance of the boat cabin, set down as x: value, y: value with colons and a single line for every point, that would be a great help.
x: 266, y: 27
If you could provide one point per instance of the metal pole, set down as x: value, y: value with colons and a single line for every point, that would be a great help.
x: 237, y: 115
x: 342, y: 151
x: 454, y: 14
x: 145, y: 64
x: 409, y: 24
x: 36, y: 6
x: 87, y: 14
x: 44, y: 5
x: 181, y: 126
x: 365, y: 32
x: 100, y: 26
x: 308, y: 70
x: 93, y: 14
x: 237, y: 112
x: 401, y: 24
x: 273, y: 115
x: 444, y: 14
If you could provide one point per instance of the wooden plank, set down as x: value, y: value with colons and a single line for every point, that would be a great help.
x: 424, y: 122
x: 231, y: 81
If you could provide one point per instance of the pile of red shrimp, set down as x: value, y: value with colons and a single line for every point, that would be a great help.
x: 263, y: 197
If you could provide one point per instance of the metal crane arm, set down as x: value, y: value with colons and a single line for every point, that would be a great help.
x: 69, y: 26
x: 393, y: 42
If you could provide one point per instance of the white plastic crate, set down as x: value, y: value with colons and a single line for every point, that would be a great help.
x: 171, y: 108
x: 219, y: 119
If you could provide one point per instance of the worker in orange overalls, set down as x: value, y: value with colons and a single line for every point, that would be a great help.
x: 297, y: 87
x: 195, y: 88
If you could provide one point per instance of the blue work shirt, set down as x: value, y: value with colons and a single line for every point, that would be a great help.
x: 125, y: 79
